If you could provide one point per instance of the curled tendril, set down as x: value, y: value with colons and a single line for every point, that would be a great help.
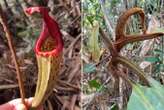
x: 134, y: 38
x: 120, y: 27
x: 122, y: 39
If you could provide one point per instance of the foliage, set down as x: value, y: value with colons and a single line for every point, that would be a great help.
x: 145, y: 98
x: 94, y: 84
x: 88, y: 68
x: 92, y: 12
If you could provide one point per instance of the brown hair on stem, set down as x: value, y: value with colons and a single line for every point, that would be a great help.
x: 10, y: 43
x: 121, y: 23
x: 122, y: 39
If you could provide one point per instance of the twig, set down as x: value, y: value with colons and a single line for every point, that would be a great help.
x: 68, y: 84
x: 9, y: 40
x: 8, y: 86
x: 12, y: 86
x: 73, y: 43
x: 121, y: 98
x: 73, y: 102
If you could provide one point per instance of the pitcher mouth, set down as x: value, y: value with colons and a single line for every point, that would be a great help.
x: 50, y: 29
x: 56, y: 47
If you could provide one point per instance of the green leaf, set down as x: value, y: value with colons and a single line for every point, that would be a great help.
x: 101, y: 88
x: 93, y: 43
x: 94, y: 84
x: 152, y: 59
x: 158, y: 51
x: 114, y: 107
x: 157, y: 68
x: 88, y: 68
x: 147, y: 98
x: 161, y: 67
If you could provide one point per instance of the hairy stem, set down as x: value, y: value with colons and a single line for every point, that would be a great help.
x: 133, y: 67
x: 134, y: 38
x: 120, y: 27
x: 9, y: 40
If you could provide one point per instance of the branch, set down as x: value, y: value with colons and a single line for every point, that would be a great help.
x: 9, y: 40
x: 133, y: 67
x: 134, y: 38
